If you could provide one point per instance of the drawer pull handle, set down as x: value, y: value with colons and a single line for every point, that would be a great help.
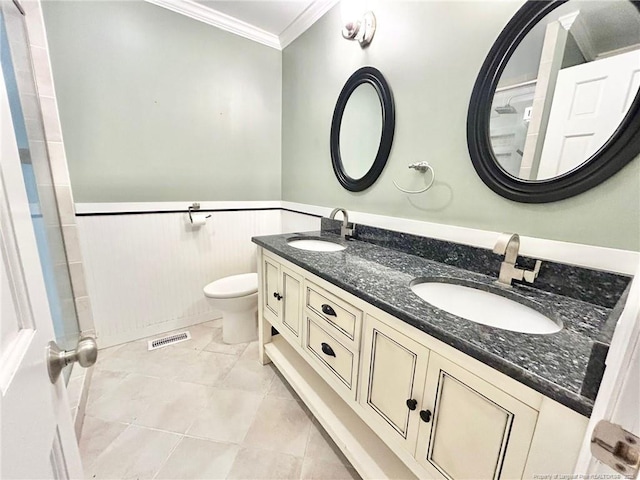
x: 277, y: 296
x: 327, y: 310
x: 412, y: 404
x: 327, y: 350
x: 425, y: 415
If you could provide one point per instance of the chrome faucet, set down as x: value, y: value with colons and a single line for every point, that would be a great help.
x: 346, y: 231
x: 508, y: 245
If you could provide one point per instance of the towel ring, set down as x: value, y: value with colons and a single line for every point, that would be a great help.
x: 421, y: 167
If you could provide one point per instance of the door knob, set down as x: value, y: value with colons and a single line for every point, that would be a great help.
x: 412, y: 404
x: 425, y: 415
x: 86, y: 354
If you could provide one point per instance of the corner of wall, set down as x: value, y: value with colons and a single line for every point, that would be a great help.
x: 39, y: 49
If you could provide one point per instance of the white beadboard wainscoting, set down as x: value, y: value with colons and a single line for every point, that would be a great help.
x: 145, y: 271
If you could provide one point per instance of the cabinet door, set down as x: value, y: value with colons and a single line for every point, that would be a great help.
x: 291, y: 292
x: 394, y: 369
x: 271, y: 288
x: 475, y: 430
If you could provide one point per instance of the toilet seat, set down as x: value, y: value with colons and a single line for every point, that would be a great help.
x: 233, y: 286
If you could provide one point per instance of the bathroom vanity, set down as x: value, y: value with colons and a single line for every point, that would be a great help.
x: 408, y: 390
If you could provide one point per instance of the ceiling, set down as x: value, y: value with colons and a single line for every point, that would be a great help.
x: 273, y: 17
x: 273, y: 23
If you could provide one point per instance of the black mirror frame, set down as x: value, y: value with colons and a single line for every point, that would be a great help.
x: 373, y: 77
x: 622, y: 147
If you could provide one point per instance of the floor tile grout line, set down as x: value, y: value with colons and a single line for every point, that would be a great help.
x: 263, y: 394
x: 107, y: 420
x: 306, y: 447
x: 164, y: 462
x: 174, y: 378
x: 107, y: 449
x: 93, y: 379
x: 207, y: 439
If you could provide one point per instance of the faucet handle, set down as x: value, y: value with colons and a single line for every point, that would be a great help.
x: 347, y: 232
x: 531, y: 275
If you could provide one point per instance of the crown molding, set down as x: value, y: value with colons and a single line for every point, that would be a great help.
x: 230, y: 24
x: 225, y: 22
x: 307, y: 18
x: 583, y: 38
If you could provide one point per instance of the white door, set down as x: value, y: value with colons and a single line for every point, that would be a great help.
x: 589, y: 102
x: 618, y: 399
x: 36, y: 438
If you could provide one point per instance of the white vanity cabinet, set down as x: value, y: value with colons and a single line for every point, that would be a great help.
x: 281, y: 290
x: 399, y: 403
x: 455, y: 424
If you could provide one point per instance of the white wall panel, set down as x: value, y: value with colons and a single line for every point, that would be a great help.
x: 145, y: 272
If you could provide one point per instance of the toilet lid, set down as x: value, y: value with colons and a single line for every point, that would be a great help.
x: 233, y: 286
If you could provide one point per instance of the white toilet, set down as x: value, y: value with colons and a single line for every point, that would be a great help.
x: 237, y: 298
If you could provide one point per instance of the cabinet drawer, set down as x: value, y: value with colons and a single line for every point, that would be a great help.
x: 338, y: 359
x: 341, y: 316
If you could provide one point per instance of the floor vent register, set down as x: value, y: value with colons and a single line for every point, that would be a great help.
x: 168, y: 340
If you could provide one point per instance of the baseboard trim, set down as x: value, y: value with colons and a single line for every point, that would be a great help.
x: 106, y: 341
x: 81, y: 408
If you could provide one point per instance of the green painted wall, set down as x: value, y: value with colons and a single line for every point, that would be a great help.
x: 156, y: 106
x: 430, y: 53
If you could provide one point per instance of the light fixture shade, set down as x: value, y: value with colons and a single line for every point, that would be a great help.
x: 367, y: 29
x: 351, y: 29
x: 358, y: 24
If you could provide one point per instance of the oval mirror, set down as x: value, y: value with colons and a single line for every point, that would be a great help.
x: 362, y: 129
x: 555, y: 109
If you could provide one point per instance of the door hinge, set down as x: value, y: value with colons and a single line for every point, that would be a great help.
x: 617, y: 448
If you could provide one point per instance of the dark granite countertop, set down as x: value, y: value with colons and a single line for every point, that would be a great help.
x: 555, y: 365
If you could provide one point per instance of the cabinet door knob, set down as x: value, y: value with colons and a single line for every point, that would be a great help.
x: 277, y: 296
x: 425, y: 415
x: 327, y: 310
x: 412, y: 404
x: 327, y: 350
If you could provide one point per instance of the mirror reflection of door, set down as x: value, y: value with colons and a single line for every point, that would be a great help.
x: 589, y: 102
x: 566, y: 88
x: 360, y: 130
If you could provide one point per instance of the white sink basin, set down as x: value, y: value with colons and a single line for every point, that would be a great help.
x: 315, y: 245
x: 485, y: 307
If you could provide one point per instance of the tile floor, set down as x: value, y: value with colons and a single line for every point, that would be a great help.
x: 200, y: 409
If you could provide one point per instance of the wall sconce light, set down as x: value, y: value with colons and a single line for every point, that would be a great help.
x: 358, y: 25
